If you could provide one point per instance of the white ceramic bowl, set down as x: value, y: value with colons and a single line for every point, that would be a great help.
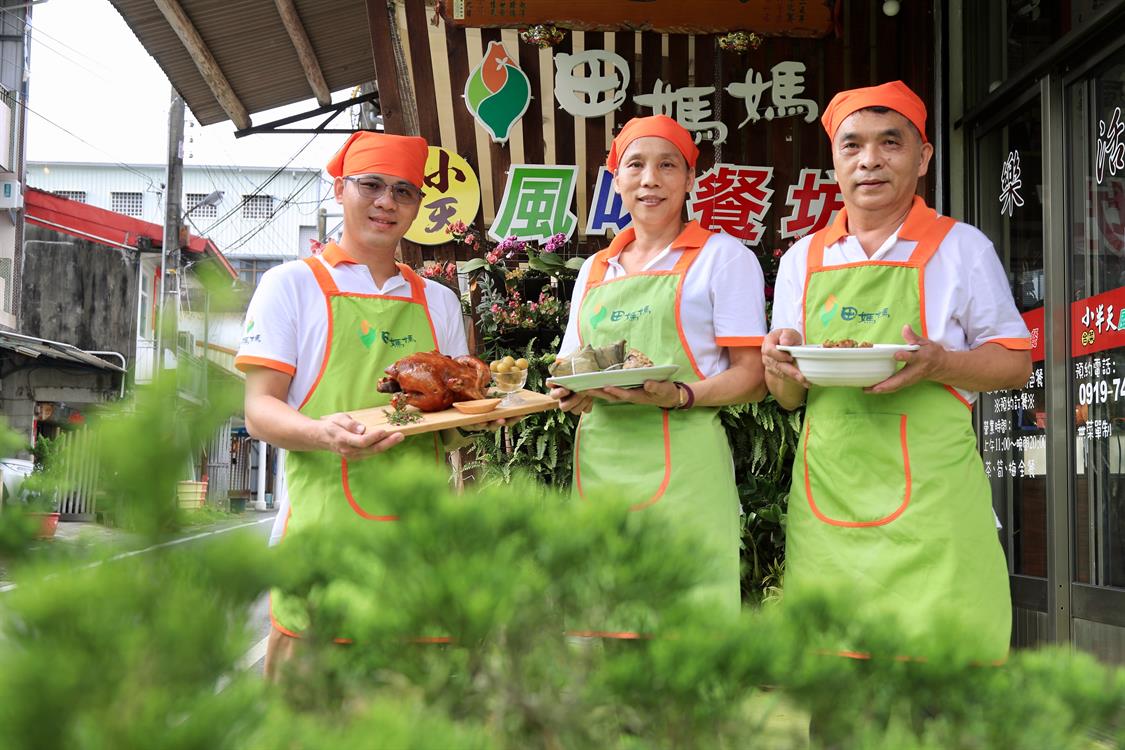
x: 837, y: 366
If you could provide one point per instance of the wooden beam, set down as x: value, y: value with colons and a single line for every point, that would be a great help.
x: 386, y: 67
x: 205, y: 62
x: 288, y: 12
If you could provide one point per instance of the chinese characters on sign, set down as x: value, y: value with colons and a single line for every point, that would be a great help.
x: 582, y: 95
x: 733, y: 199
x: 686, y: 106
x: 787, y: 82
x: 536, y: 203
x: 606, y: 209
x: 1111, y: 146
x: 1010, y: 184
x: 594, y: 83
x: 1013, y: 440
x: 813, y: 203
x: 1097, y: 323
x: 451, y: 192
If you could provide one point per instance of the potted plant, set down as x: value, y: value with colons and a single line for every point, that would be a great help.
x: 549, y: 261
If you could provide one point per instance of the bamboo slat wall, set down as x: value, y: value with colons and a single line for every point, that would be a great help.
x: 422, y: 73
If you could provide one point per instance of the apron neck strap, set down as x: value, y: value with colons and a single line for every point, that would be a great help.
x: 816, y: 250
x: 323, y: 277
x: 922, y: 222
x: 417, y: 283
x: 931, y: 240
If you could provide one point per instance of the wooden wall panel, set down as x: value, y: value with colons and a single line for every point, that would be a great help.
x: 873, y: 48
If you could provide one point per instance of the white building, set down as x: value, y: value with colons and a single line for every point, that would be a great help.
x: 265, y: 216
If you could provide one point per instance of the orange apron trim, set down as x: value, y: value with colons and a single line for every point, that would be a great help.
x: 858, y: 524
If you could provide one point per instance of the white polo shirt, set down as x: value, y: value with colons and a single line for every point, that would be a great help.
x: 968, y: 297
x: 286, y: 326
x: 723, y: 303
x: 286, y: 329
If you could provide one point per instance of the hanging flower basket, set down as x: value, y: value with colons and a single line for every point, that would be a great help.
x: 543, y: 35
x: 739, y: 41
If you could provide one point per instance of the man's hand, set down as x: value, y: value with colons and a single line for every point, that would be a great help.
x: 928, y: 363
x: 571, y: 402
x: 780, y: 364
x: 339, y: 433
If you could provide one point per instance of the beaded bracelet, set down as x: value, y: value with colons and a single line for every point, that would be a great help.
x: 690, y: 401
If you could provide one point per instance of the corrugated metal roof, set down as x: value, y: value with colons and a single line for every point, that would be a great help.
x: 251, y: 46
x: 30, y: 346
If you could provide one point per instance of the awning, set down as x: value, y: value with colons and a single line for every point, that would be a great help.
x: 33, y: 347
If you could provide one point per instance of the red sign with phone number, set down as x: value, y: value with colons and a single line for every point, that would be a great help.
x: 1096, y: 323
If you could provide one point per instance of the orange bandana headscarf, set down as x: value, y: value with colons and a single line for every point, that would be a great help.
x: 660, y: 126
x: 378, y: 153
x: 895, y: 95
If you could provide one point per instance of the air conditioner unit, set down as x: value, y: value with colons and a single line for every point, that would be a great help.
x: 11, y: 194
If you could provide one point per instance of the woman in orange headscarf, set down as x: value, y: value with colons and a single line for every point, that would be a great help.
x: 685, y: 297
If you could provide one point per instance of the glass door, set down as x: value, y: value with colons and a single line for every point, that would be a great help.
x: 1095, y: 153
x: 1009, y: 209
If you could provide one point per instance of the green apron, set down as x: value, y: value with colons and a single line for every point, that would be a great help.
x: 676, y: 463
x: 366, y: 333
x: 890, y: 505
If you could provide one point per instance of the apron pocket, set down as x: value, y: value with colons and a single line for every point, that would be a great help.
x: 857, y: 468
x: 361, y: 480
x: 624, y: 448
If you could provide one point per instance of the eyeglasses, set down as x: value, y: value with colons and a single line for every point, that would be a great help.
x: 372, y: 188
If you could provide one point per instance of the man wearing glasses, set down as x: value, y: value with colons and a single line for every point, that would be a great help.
x: 318, y: 334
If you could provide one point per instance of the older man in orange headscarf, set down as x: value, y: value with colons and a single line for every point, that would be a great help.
x: 890, y: 503
x: 320, y: 331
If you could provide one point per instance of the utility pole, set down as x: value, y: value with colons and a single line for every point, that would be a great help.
x: 170, y: 246
x: 321, y: 225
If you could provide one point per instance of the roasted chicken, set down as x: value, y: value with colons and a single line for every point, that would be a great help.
x: 433, y: 381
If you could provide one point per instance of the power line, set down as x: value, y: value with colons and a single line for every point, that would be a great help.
x: 77, y: 137
x: 39, y: 32
x: 257, y: 191
x: 277, y: 211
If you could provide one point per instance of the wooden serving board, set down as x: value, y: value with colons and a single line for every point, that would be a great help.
x: 375, y: 418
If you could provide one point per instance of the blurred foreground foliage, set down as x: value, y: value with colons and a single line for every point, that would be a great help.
x: 143, y: 651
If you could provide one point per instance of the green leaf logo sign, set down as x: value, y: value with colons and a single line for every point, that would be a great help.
x: 497, y: 92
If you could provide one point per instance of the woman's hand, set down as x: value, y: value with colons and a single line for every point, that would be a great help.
x: 571, y: 402
x: 662, y: 393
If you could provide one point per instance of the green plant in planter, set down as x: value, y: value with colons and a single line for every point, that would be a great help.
x: 549, y: 260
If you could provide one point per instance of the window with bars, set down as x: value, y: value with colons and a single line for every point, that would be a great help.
x: 191, y: 203
x: 257, y: 206
x: 250, y: 270
x: 130, y: 204
x: 74, y: 195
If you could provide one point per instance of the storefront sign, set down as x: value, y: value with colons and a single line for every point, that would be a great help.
x: 1097, y: 323
x: 452, y: 193
x: 497, y: 92
x: 786, y: 84
x: 536, y: 202
x: 687, y: 106
x: 733, y: 199
x: 767, y: 17
x: 813, y: 203
x: 602, y: 82
x: 606, y: 209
